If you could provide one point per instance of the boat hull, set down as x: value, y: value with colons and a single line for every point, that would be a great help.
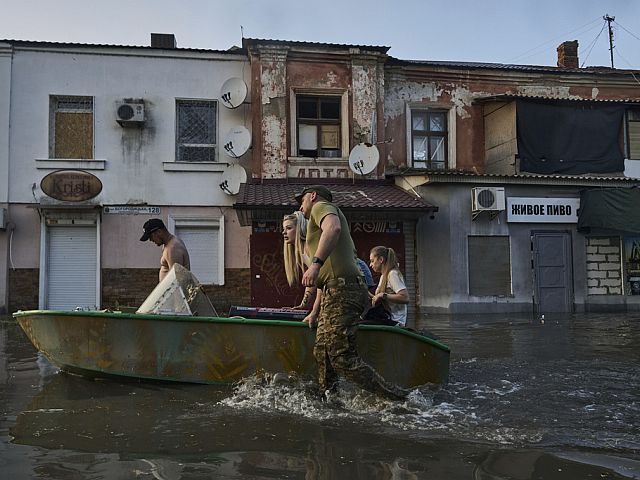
x: 212, y: 350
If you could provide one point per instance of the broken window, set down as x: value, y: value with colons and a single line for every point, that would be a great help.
x: 429, y: 139
x: 71, y: 127
x: 633, y: 134
x: 196, y: 131
x: 318, y: 122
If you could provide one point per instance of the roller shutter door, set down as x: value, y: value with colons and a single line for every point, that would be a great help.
x: 71, y: 267
x: 202, y: 244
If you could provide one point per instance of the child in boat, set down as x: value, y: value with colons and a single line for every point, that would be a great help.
x: 391, y: 292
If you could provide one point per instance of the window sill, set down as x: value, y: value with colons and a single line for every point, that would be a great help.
x: 316, y: 160
x: 194, y: 166
x: 70, y: 163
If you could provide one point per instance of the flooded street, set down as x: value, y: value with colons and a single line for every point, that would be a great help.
x: 527, y: 398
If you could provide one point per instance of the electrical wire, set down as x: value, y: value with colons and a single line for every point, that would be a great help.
x: 525, y: 54
x: 626, y: 30
x: 593, y: 44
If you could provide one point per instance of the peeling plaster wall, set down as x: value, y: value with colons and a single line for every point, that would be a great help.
x: 364, y: 87
x: 273, y: 97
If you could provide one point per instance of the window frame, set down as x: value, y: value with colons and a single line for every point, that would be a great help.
x: 627, y: 136
x: 53, y: 110
x: 177, y: 222
x: 214, y: 146
x: 343, y: 94
x: 449, y: 136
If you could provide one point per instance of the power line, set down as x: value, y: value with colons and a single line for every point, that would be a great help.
x: 593, y: 44
x: 564, y: 35
x: 629, y: 32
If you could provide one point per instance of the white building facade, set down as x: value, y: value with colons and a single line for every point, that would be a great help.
x: 94, y: 141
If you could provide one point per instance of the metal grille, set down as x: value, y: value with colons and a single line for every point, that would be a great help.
x: 196, y: 131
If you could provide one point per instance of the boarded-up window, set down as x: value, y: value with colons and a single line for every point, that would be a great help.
x: 489, y: 265
x: 71, y: 127
x: 196, y: 131
x: 633, y: 134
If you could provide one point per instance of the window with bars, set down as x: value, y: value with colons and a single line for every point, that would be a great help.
x: 70, y: 127
x: 489, y: 265
x: 196, y: 130
x: 318, y: 126
x: 633, y: 134
x: 429, y: 139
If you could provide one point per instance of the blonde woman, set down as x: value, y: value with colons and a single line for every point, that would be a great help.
x: 391, y: 292
x: 294, y: 232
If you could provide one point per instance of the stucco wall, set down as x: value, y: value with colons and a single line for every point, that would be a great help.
x: 134, y: 171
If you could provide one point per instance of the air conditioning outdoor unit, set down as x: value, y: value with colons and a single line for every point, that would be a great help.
x: 130, y: 113
x: 487, y: 199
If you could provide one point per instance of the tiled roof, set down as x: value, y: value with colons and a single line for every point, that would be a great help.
x: 346, y: 196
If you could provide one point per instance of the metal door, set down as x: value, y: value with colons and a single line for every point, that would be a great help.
x: 553, y: 276
x: 71, y: 267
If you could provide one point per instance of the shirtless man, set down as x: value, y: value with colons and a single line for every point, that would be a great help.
x: 173, y: 249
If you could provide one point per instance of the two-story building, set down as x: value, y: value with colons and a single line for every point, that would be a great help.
x: 97, y: 139
x: 506, y: 152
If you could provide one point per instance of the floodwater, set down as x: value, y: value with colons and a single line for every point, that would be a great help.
x: 528, y: 398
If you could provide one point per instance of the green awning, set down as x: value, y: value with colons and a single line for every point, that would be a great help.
x: 610, y: 210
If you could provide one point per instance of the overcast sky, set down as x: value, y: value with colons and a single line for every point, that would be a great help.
x: 501, y: 31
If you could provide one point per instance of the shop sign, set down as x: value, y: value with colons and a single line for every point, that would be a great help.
x: 71, y: 185
x: 542, y: 210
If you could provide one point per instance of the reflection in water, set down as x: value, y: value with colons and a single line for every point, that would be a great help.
x: 526, y: 400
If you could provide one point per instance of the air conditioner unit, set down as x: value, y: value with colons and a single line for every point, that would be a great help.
x: 487, y: 199
x: 130, y: 113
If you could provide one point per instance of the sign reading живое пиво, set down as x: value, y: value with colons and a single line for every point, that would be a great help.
x: 542, y: 210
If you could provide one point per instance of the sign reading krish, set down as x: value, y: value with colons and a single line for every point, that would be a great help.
x: 71, y: 185
x: 542, y: 210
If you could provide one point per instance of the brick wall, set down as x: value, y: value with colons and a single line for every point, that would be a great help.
x: 604, y: 268
x: 129, y: 287
x: 23, y: 289
x: 235, y: 291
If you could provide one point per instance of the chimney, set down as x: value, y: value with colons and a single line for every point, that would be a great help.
x: 568, y: 54
x: 163, y: 40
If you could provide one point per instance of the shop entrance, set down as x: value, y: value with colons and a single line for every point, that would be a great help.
x: 552, y: 271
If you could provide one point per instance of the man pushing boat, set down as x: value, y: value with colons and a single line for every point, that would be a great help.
x: 334, y: 270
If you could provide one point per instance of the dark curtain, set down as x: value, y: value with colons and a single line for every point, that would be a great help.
x: 569, y: 138
x: 610, y: 210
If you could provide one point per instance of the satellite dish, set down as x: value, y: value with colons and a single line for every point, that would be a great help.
x: 364, y: 158
x: 233, y: 92
x: 232, y: 177
x: 237, y: 141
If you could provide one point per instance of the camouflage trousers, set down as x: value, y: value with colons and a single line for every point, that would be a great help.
x: 335, y: 348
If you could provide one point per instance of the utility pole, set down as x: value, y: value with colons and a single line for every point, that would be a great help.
x: 609, y: 19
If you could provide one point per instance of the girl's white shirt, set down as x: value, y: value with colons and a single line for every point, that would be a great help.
x: 395, y: 284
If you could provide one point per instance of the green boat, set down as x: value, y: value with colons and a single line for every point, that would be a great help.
x: 174, y: 338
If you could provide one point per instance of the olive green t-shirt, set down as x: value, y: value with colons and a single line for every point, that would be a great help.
x: 341, y: 262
